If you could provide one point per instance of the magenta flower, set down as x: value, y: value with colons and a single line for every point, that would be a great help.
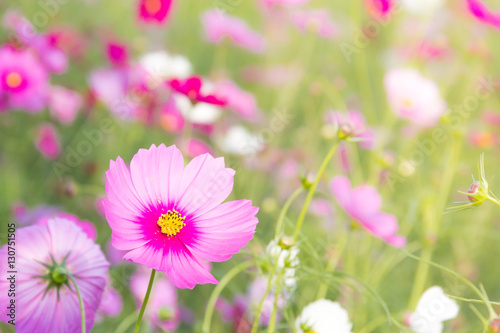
x: 23, y: 80
x: 317, y: 20
x: 169, y: 217
x: 363, y: 204
x: 219, y: 26
x: 45, y: 297
x: 154, y: 11
x: 163, y: 310
x: 47, y: 141
x: 64, y: 104
x: 196, y: 147
x: 192, y: 88
x: 117, y: 54
x: 483, y: 13
x: 379, y: 8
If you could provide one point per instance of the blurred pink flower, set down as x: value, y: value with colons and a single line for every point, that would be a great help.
x: 24, y: 82
x: 154, y: 11
x: 219, y: 25
x: 197, y: 147
x: 171, y: 119
x: 47, y: 141
x: 363, y: 204
x: 163, y: 310
x: 170, y: 220
x: 354, y: 123
x: 482, y: 139
x: 111, y: 303
x: 491, y: 117
x: 270, y: 3
x: 317, y: 21
x: 46, y: 300
x: 379, y: 8
x: 87, y: 227
x: 243, y: 102
x: 64, y: 104
x: 192, y: 87
x: 117, y: 53
x: 483, y: 13
x: 114, y: 255
x: 25, y: 216
x: 414, y: 97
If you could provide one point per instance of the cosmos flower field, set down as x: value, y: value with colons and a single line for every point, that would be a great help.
x: 304, y: 166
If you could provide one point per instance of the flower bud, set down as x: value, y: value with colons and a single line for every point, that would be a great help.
x: 286, y: 242
x: 346, y: 131
x: 478, y: 193
x: 495, y: 325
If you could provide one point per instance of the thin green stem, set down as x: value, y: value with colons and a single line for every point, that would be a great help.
x: 312, y: 190
x: 255, y: 325
x: 207, y: 320
x: 285, y: 208
x: 80, y: 301
x: 145, y: 302
x: 332, y: 264
x: 272, y: 321
x: 127, y: 322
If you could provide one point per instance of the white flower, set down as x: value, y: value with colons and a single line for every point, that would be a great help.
x: 239, y: 141
x: 165, y: 66
x: 323, y: 316
x: 200, y: 113
x: 433, y: 308
x: 287, y: 259
x: 422, y: 7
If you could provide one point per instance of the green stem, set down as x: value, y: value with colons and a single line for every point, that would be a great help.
x: 330, y: 268
x: 255, y: 325
x: 127, y: 322
x: 285, y: 208
x: 313, y: 189
x: 80, y: 301
x: 207, y: 320
x: 272, y: 321
x: 145, y: 302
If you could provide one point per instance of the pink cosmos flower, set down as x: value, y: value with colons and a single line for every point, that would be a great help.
x: 219, y: 25
x: 154, y: 11
x: 171, y: 119
x: 316, y: 20
x: 414, y: 97
x: 87, y: 227
x: 192, y: 87
x: 353, y: 123
x: 23, y: 80
x: 483, y: 13
x: 47, y: 141
x: 26, y: 216
x: 64, y: 104
x: 363, y: 204
x: 243, y: 102
x: 163, y: 309
x: 169, y: 217
x: 46, y: 300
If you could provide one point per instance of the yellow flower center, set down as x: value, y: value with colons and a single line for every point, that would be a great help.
x: 171, y: 223
x: 13, y: 80
x: 152, y: 6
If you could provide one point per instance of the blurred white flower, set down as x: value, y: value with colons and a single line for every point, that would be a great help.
x: 433, y: 308
x: 286, y: 258
x: 165, y: 66
x: 239, y: 141
x: 422, y: 7
x: 323, y: 316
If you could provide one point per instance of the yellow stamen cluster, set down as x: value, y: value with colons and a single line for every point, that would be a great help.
x: 152, y: 6
x: 171, y: 223
x: 13, y: 80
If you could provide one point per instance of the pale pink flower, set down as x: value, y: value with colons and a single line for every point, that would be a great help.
x: 64, y: 104
x: 46, y: 300
x: 284, y: 2
x: 317, y: 21
x: 196, y: 147
x: 354, y: 125
x: 414, y: 97
x: 170, y: 217
x: 218, y: 26
x: 87, y: 227
x: 363, y: 204
x: 26, y: 216
x: 47, y: 141
x: 243, y: 102
x: 111, y: 303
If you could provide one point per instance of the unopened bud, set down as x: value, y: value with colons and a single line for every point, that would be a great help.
x: 286, y: 242
x: 346, y: 131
